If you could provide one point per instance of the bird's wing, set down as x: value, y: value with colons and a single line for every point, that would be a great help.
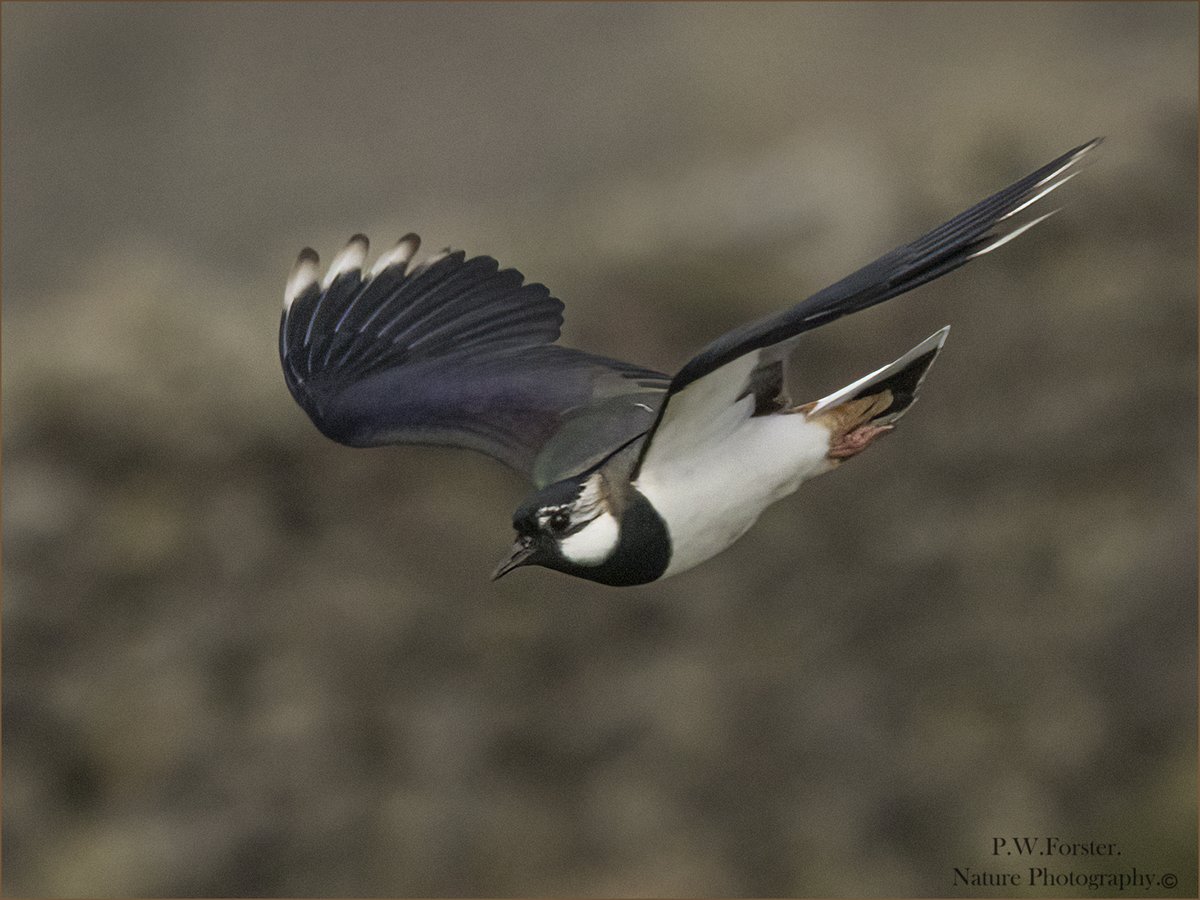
x: 456, y: 352
x: 700, y: 395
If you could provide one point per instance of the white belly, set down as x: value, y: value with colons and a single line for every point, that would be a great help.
x: 710, y: 496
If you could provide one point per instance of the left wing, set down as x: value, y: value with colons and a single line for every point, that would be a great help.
x: 456, y: 352
x: 745, y: 362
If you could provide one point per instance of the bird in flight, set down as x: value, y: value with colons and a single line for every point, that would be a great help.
x: 637, y: 475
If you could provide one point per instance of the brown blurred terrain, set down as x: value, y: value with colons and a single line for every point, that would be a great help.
x: 239, y: 659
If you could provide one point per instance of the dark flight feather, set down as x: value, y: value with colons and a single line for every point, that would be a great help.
x: 930, y: 256
x: 455, y: 352
x: 984, y: 227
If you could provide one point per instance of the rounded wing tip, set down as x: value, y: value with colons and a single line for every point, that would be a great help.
x: 350, y: 257
x: 399, y: 256
x: 430, y: 261
x: 305, y: 272
x: 302, y: 277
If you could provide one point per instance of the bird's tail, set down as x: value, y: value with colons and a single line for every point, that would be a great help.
x: 886, y: 394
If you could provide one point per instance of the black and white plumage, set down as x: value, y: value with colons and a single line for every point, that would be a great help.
x: 638, y: 475
x: 455, y: 351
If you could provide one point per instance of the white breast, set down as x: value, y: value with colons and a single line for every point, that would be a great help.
x: 711, y: 493
x: 593, y: 543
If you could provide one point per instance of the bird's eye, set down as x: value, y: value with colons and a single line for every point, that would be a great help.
x: 558, y: 521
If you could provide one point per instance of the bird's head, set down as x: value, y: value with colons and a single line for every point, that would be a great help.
x: 569, y: 526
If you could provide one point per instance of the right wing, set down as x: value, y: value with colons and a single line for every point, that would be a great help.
x: 723, y: 383
x: 953, y: 244
x: 454, y: 352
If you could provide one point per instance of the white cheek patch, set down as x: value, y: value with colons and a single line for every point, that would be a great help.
x: 593, y: 543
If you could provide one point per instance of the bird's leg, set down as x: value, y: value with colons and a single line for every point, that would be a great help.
x: 855, y: 442
x: 849, y: 424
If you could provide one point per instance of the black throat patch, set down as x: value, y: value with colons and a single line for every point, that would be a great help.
x: 643, y: 550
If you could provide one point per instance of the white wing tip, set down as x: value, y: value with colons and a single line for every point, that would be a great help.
x: 1002, y: 239
x: 399, y: 255
x: 350, y: 257
x: 1055, y: 179
x: 1073, y: 159
x: 306, y: 272
x: 432, y: 260
x: 1053, y: 186
x: 303, y: 276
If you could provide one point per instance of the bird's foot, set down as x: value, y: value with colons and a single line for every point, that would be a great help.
x: 855, y: 442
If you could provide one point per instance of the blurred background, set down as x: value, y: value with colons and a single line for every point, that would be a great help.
x: 239, y: 659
